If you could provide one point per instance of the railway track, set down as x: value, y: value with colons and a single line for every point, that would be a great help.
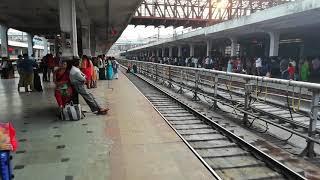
x: 226, y: 155
x: 280, y: 114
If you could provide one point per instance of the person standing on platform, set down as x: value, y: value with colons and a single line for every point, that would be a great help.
x: 44, y: 63
x: 94, y: 78
x: 51, y: 65
x: 305, y: 71
x: 258, y: 66
x: 230, y: 65
x: 86, y: 68
x: 284, y: 63
x: 102, y: 68
x: 109, y: 69
x: 27, y: 66
x: 115, y: 67
x: 291, y: 71
x: 78, y: 79
x: 20, y: 72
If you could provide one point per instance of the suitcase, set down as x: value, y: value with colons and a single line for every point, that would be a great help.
x: 5, y: 165
x: 37, y: 81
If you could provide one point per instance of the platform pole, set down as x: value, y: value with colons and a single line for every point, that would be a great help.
x: 30, y: 44
x: 216, y: 80
x: 170, y: 78
x: 309, y: 150
x: 248, y: 90
x: 274, y: 44
x: 157, y: 73
x: 68, y: 26
x: 196, y: 88
x: 180, y: 91
x: 4, y: 41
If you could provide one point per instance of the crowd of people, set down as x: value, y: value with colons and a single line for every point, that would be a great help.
x: 71, y: 77
x: 303, y: 69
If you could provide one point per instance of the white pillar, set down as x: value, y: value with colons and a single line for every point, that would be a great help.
x: 45, y: 46
x: 93, y: 44
x: 153, y: 53
x: 191, y: 50
x: 163, y: 52
x: 30, y: 44
x: 170, y: 51
x: 209, y: 47
x: 274, y: 44
x: 86, y: 38
x: 234, y: 45
x: 301, y: 50
x: 4, y: 41
x: 68, y: 26
x: 179, y: 51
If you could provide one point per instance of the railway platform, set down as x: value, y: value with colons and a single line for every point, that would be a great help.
x: 131, y: 142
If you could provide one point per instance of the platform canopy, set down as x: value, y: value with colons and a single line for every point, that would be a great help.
x: 41, y: 17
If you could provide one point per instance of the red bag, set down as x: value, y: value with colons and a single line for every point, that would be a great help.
x: 8, y: 137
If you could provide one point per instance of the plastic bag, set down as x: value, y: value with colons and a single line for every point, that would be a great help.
x: 8, y: 137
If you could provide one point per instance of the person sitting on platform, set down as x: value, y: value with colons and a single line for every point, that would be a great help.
x: 63, y: 91
x: 78, y: 80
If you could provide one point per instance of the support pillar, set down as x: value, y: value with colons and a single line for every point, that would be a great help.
x: 163, y: 52
x: 86, y: 38
x: 209, y: 47
x: 274, y: 44
x: 68, y: 26
x: 4, y: 41
x: 179, y: 51
x: 191, y: 50
x: 234, y: 44
x: 170, y: 51
x: 301, y: 51
x: 30, y: 44
x: 93, y: 44
x: 45, y: 46
x: 158, y: 52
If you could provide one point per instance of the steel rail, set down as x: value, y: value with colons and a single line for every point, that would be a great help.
x: 251, y: 114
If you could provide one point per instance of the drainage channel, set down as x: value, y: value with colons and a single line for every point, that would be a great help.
x: 223, y: 153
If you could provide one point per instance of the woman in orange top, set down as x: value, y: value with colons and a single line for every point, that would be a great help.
x: 87, y: 69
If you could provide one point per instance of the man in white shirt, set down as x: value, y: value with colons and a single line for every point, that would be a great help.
x: 78, y: 80
x: 102, y: 69
x: 258, y: 66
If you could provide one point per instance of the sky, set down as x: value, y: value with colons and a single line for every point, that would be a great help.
x: 141, y: 32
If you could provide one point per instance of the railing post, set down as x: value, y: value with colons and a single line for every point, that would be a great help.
x: 157, y: 73
x: 170, y: 80
x: 196, y: 88
x: 180, y: 91
x: 309, y: 150
x: 248, y: 90
x: 216, y: 80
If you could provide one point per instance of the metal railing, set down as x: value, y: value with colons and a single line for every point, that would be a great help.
x: 197, y: 78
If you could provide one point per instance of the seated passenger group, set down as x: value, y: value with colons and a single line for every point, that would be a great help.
x: 71, y: 77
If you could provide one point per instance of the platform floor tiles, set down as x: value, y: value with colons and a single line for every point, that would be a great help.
x: 131, y: 142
